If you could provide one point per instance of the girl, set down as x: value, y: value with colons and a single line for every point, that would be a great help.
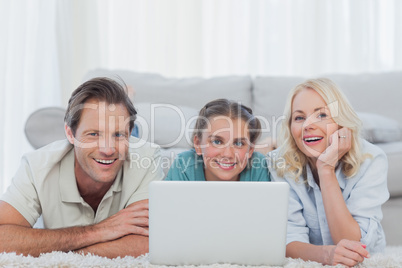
x: 338, y: 181
x: 224, y: 137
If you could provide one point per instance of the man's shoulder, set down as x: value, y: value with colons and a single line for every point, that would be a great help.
x: 48, y: 155
x: 142, y: 147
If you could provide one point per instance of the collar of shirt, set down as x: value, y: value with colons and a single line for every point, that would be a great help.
x: 68, y: 185
x: 338, y: 173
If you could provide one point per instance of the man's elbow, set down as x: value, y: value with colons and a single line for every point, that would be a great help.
x: 140, y: 246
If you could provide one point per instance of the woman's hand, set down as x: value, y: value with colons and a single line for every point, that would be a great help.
x: 347, y: 252
x: 340, y: 143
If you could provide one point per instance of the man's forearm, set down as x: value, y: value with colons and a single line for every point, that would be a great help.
x: 16, y: 234
x: 130, y: 245
x: 29, y: 241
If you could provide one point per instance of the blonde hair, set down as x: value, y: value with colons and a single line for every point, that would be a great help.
x: 341, y: 112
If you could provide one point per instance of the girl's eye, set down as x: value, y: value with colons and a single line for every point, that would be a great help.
x: 216, y: 142
x: 238, y: 143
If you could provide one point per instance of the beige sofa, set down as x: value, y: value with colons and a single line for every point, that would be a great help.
x: 167, y: 108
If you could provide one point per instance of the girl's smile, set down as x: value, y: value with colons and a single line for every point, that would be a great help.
x: 225, y: 147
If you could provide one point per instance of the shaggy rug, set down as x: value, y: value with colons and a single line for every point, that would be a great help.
x: 392, y: 257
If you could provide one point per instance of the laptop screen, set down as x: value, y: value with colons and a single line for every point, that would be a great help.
x: 217, y: 222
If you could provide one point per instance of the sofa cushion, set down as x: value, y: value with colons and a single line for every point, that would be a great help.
x: 378, y: 128
x: 378, y: 93
x: 45, y: 125
x: 394, y: 155
x: 269, y: 97
x: 191, y: 92
x: 391, y: 224
x: 165, y: 124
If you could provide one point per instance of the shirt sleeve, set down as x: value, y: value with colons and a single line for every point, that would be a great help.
x: 22, y: 193
x: 176, y: 172
x: 264, y: 174
x: 297, y: 229
x: 366, y: 198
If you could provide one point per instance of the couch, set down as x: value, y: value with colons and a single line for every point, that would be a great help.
x: 167, y: 108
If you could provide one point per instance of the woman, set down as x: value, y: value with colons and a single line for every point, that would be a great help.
x: 338, y: 181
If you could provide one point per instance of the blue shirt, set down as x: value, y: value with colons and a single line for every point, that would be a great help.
x: 188, y: 166
x: 363, y: 193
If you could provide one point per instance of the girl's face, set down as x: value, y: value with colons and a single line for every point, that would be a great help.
x: 225, y: 147
x: 311, y: 123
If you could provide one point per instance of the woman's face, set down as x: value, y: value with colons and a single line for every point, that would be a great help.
x: 311, y: 123
x: 225, y: 146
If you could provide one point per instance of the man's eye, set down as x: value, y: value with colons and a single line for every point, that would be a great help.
x: 93, y: 134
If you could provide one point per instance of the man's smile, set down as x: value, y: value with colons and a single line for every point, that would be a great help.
x: 105, y: 161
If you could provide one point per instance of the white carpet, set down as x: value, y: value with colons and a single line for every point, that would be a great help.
x: 392, y: 257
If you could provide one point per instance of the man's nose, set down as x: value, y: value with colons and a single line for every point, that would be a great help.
x: 107, y: 145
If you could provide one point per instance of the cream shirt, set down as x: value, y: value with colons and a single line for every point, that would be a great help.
x: 45, y: 185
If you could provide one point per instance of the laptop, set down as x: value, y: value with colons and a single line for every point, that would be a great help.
x: 199, y: 223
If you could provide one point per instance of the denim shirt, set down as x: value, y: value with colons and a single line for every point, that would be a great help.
x: 363, y: 194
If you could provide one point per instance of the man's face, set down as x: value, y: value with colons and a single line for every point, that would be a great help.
x: 100, y: 141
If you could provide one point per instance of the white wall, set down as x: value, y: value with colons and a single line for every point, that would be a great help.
x: 48, y: 45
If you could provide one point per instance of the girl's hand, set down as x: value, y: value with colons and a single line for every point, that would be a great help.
x: 340, y: 143
x: 347, y: 252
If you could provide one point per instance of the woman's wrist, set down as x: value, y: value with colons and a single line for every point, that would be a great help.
x: 325, y: 170
x: 327, y: 254
x: 327, y: 177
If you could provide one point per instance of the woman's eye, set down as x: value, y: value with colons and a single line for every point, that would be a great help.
x: 322, y: 115
x: 299, y: 118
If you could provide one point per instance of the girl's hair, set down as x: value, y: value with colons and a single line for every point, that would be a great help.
x: 341, y: 112
x: 231, y: 109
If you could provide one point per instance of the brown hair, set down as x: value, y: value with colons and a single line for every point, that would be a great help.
x: 231, y: 109
x: 102, y: 89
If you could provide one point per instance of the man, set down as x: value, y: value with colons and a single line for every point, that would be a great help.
x: 92, y: 198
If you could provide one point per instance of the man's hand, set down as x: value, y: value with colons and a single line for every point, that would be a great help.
x: 347, y: 252
x: 131, y: 220
x: 131, y: 223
